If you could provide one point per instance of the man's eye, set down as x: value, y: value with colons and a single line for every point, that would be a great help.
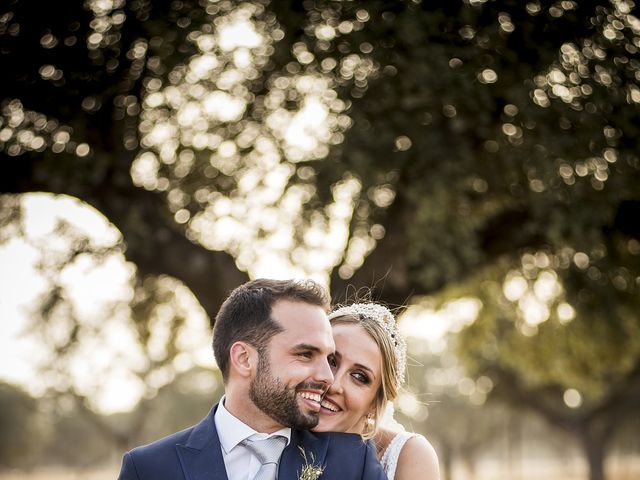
x: 305, y: 354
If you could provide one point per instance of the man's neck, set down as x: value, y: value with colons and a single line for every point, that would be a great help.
x: 241, y: 407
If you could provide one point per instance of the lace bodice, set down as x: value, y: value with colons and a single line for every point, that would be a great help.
x: 390, y: 457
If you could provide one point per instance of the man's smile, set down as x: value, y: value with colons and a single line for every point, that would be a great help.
x: 311, y: 399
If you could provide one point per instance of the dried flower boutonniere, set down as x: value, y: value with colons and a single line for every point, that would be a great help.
x: 310, y: 470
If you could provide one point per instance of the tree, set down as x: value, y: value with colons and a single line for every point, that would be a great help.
x: 439, y: 92
x: 23, y: 431
x: 556, y: 338
x: 449, y: 409
x: 428, y: 139
x: 182, y: 403
x: 71, y: 112
x: 76, y: 438
x: 102, y: 338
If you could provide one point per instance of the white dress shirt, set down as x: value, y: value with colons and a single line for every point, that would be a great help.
x: 231, y: 432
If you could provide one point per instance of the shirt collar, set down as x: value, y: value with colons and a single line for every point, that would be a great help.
x: 232, y: 431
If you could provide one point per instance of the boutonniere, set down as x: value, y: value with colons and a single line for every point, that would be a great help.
x: 310, y: 470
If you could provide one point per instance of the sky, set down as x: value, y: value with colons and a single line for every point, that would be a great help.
x: 89, y: 287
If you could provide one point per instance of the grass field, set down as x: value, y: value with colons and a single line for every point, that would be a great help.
x: 62, y: 474
x: 628, y: 470
x: 618, y: 468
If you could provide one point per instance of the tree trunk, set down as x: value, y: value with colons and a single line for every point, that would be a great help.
x: 594, y: 451
x: 469, y: 460
x: 445, y: 456
x: 514, y: 446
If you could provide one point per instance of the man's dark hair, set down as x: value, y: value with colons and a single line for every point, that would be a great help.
x: 246, y: 314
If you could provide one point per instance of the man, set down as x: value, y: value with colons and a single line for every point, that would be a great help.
x: 273, y: 343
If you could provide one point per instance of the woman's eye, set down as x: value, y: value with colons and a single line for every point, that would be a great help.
x: 360, y: 377
x: 333, y: 362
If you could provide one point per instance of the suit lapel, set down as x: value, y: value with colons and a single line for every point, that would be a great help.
x: 292, y: 459
x: 201, y: 457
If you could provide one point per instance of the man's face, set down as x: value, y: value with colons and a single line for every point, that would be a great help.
x: 294, y: 373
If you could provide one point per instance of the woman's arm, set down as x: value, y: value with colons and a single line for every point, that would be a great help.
x: 417, y: 460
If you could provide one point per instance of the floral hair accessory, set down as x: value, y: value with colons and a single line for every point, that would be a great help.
x: 383, y: 317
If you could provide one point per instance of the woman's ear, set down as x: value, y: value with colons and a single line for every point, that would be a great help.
x: 243, y: 359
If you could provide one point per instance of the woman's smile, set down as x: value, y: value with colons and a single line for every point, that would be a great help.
x: 357, y: 379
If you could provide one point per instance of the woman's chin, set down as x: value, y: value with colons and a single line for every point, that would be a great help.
x: 321, y: 427
x: 326, y: 425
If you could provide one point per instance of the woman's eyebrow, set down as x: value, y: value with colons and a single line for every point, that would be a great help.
x: 364, y: 367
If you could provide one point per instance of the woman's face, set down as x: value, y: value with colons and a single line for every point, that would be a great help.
x: 358, y: 377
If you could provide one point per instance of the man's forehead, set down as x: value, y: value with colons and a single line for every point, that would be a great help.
x: 303, y: 321
x: 285, y: 309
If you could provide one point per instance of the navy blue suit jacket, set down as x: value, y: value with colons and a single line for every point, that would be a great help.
x: 195, y: 454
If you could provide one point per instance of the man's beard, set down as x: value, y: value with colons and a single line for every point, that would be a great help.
x: 278, y: 401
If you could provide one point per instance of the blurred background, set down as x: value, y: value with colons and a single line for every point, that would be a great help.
x: 475, y: 162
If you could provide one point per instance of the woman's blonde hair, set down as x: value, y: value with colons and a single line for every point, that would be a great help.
x: 392, y: 351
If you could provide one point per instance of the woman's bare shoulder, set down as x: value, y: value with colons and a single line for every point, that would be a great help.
x: 418, y: 459
x: 383, y: 438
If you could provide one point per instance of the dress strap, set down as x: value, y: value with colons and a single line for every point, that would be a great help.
x: 391, y: 455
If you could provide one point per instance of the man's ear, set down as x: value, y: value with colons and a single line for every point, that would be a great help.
x: 243, y: 359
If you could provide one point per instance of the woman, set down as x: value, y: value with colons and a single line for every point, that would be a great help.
x: 369, y: 371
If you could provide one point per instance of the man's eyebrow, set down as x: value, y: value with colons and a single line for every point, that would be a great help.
x: 306, y: 346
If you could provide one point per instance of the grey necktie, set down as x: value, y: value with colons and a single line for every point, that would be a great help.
x: 268, y: 452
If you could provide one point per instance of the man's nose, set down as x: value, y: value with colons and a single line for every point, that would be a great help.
x: 324, y: 373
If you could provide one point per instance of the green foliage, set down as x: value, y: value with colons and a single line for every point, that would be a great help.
x: 180, y: 404
x: 475, y: 116
x: 473, y: 129
x: 76, y: 438
x: 586, y: 337
x: 23, y: 430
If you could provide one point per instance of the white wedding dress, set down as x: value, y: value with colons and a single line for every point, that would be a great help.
x: 390, y: 457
